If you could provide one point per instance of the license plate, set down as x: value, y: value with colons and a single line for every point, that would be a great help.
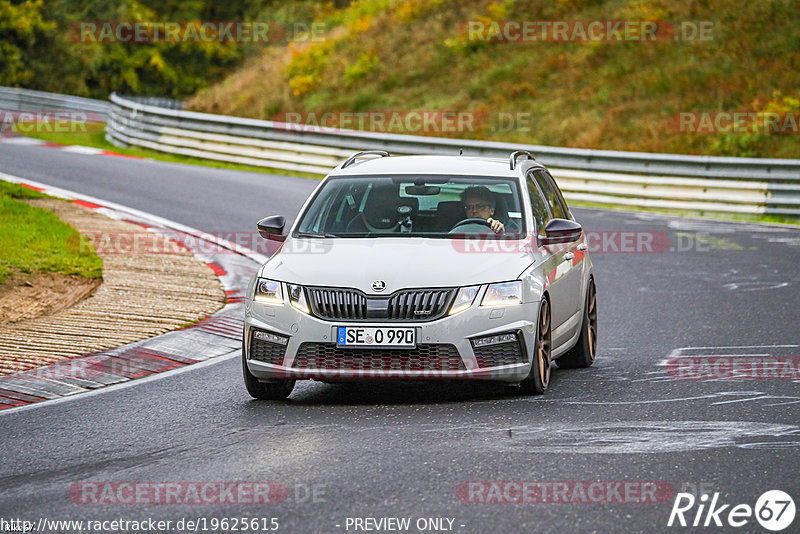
x: 357, y: 336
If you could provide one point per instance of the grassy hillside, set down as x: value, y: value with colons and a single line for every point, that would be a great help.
x: 383, y: 55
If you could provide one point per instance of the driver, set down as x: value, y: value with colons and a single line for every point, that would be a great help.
x: 479, y: 203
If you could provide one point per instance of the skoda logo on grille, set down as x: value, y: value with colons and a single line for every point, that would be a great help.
x: 378, y: 285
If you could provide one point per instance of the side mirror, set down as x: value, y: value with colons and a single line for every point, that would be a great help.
x: 560, y: 231
x: 271, y: 227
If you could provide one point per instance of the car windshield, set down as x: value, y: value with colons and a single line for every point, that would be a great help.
x: 413, y: 206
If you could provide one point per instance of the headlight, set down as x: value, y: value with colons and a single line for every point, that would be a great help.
x: 464, y: 299
x: 268, y: 291
x: 297, y: 297
x: 503, y: 294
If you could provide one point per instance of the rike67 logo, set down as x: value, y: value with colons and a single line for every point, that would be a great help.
x: 774, y: 510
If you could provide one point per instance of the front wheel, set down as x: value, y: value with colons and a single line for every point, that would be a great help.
x: 278, y: 390
x: 539, y: 377
x: 584, y: 351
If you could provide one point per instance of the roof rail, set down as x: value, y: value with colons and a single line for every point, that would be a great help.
x: 357, y: 155
x: 514, y: 155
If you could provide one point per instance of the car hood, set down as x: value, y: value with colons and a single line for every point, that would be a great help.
x: 399, y: 262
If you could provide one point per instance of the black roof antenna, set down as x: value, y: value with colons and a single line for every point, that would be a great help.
x: 460, y: 151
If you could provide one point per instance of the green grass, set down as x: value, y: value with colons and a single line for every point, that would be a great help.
x: 8, y: 189
x: 98, y: 140
x: 34, y: 239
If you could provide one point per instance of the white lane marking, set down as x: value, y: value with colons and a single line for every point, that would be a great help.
x: 629, y: 437
x: 158, y: 221
x: 30, y: 141
x: 727, y: 227
x: 754, y: 286
x: 681, y: 399
x: 734, y: 347
x: 729, y: 351
x: 770, y: 445
x: 791, y: 241
x: 755, y: 398
x: 115, y: 387
x: 78, y: 149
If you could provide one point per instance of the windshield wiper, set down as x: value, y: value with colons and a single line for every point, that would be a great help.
x: 312, y: 234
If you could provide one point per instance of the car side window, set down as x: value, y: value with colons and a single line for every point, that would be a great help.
x: 557, y: 209
x: 559, y: 196
x: 538, y: 207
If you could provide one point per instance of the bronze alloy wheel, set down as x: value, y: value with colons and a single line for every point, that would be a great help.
x: 585, y: 350
x: 543, y: 344
x: 591, y: 323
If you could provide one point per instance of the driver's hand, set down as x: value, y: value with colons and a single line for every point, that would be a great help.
x: 497, y: 226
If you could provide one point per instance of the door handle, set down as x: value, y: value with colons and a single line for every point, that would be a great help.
x: 569, y: 256
x: 582, y: 246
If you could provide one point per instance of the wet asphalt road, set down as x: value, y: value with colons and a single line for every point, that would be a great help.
x: 404, y: 450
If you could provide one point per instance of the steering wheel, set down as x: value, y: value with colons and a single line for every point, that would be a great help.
x: 474, y: 220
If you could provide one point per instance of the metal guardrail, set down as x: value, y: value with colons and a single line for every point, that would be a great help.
x: 12, y: 99
x: 633, y: 179
x: 695, y: 183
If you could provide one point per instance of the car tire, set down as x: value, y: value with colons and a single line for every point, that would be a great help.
x: 278, y: 390
x: 585, y: 350
x: 539, y: 377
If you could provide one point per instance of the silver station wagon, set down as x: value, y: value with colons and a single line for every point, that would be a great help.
x: 419, y: 268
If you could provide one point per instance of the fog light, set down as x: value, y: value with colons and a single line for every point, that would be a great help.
x: 494, y: 340
x: 270, y: 337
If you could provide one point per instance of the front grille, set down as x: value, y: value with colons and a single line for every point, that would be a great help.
x: 333, y: 303
x: 266, y: 352
x: 342, y: 304
x: 419, y: 304
x: 502, y: 354
x: 425, y: 357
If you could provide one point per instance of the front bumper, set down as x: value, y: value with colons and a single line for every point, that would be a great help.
x: 444, y: 347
